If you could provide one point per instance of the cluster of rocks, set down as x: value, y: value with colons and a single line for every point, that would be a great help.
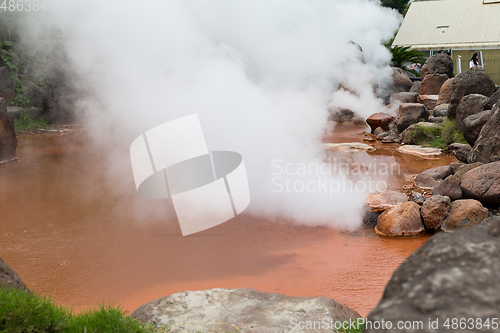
x: 455, y: 197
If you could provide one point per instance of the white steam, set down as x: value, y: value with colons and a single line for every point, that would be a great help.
x: 259, y: 73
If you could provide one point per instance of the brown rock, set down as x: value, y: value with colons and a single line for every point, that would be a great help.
x: 402, y: 220
x: 492, y: 100
x: 428, y: 100
x: 404, y: 97
x: 483, y: 183
x: 431, y: 84
x: 469, y: 105
x: 440, y: 110
x: 464, y: 169
x: 449, y: 187
x: 473, y: 125
x: 425, y: 181
x: 434, y: 211
x: 409, y: 114
x: 415, y: 88
x: 464, y: 213
x: 380, y: 201
x: 380, y: 119
x: 445, y: 92
x: 487, y: 146
x: 439, y: 173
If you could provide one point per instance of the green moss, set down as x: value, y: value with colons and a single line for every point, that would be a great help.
x: 22, y: 312
x: 451, y: 133
x: 439, y: 137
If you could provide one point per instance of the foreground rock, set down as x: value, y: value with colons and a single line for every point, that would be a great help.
x: 381, y: 201
x: 434, y: 210
x: 8, y: 139
x: 9, y: 278
x: 409, y: 114
x: 487, y: 146
x: 380, y: 119
x: 437, y: 64
x: 453, y: 275
x: 483, y: 183
x: 402, y: 220
x: 469, y: 82
x: 239, y: 310
x: 464, y: 213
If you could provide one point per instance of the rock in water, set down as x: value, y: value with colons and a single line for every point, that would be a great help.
x: 380, y: 119
x: 466, y: 83
x: 402, y: 220
x: 449, y: 187
x: 437, y: 64
x: 9, y: 278
x: 8, y: 139
x: 487, y: 146
x: 434, y: 211
x: 464, y: 213
x: 240, y: 310
x: 483, y: 183
x: 453, y: 275
x: 380, y: 201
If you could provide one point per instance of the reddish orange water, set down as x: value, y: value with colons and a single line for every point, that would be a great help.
x: 68, y: 234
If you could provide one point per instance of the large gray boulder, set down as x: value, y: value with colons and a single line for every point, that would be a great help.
x: 466, y: 83
x: 9, y: 278
x: 483, y: 183
x: 487, y: 146
x: 7, y: 85
x: 409, y: 114
x: 469, y: 105
x: 437, y: 64
x: 492, y: 100
x: 453, y: 275
x: 473, y: 124
x: 241, y: 310
x: 449, y: 187
x: 8, y: 139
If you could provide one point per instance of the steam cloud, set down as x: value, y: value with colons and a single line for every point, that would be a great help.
x: 260, y: 74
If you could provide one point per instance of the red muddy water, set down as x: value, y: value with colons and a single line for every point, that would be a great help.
x: 70, y: 235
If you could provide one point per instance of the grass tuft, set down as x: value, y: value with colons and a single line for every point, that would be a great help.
x: 27, y: 122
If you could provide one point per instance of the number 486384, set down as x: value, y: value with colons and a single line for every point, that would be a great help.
x: 26, y: 5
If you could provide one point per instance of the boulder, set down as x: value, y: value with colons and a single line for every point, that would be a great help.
x: 450, y: 187
x: 7, y: 85
x: 439, y: 173
x: 409, y: 114
x: 381, y: 201
x: 487, y: 146
x: 492, y: 100
x: 9, y: 278
x: 455, y: 166
x: 425, y: 181
x: 431, y: 84
x: 437, y: 64
x: 402, y: 220
x: 401, y: 80
x: 469, y: 105
x: 8, y: 139
x: 38, y: 96
x: 434, y: 211
x: 440, y: 110
x: 473, y: 125
x: 464, y: 169
x: 464, y: 213
x: 380, y: 119
x: 345, y: 115
x: 445, y: 92
x: 436, y: 120
x: 461, y: 151
x: 452, y: 275
x: 466, y: 83
x: 428, y: 100
x: 415, y: 88
x: 404, y: 97
x: 239, y: 310
x: 419, y: 132
x: 483, y: 183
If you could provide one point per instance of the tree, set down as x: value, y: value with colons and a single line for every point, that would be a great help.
x: 400, y: 5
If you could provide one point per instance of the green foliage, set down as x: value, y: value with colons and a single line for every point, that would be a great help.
x: 22, y: 312
x: 27, y: 122
x: 402, y: 55
x: 20, y: 98
x: 358, y: 329
x: 440, y: 137
x: 399, y: 5
x: 450, y: 132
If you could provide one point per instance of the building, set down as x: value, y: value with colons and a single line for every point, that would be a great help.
x: 460, y: 26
